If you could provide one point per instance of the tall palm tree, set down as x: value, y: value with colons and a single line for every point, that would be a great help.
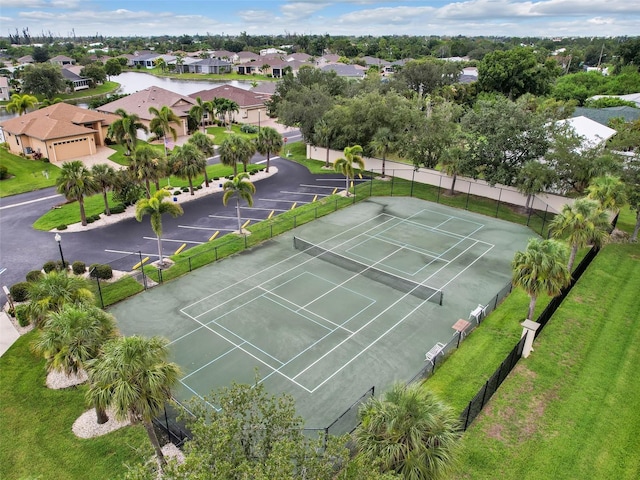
x: 134, y: 377
x: 267, y: 142
x: 410, y: 432
x: 52, y: 291
x: 383, y: 143
x: 205, y: 144
x: 147, y: 165
x: 75, y: 182
x: 323, y: 136
x: 104, y: 177
x: 21, y: 103
x: 198, y: 111
x: 241, y: 188
x: 160, y: 63
x: 344, y: 165
x: 541, y: 268
x: 124, y: 131
x: 163, y: 119
x: 583, y: 223
x: 155, y: 207
x: 235, y: 149
x: 226, y: 108
x: 187, y: 162
x: 73, y: 336
x: 609, y: 191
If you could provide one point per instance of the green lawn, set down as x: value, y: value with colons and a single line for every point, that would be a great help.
x: 36, y: 427
x: 206, y: 77
x: 220, y: 133
x: 571, y: 409
x: 27, y: 174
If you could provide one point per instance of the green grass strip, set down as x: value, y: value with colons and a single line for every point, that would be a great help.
x: 26, y: 175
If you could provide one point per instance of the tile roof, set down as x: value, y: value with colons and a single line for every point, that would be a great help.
x: 244, y: 98
x: 56, y: 121
x: 158, y: 97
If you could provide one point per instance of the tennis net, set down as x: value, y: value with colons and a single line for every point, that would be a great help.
x: 419, y: 290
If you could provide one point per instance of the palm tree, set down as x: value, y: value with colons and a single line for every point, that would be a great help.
x: 226, y: 107
x: 104, y: 177
x: 160, y: 63
x: 345, y: 164
x: 47, y: 102
x: 187, y: 162
x: 134, y: 377
x: 147, y: 165
x: 21, y: 103
x: 609, y: 191
x: 410, y: 432
x: 124, y: 131
x: 541, y: 268
x: 72, y: 337
x: 155, y: 207
x: 179, y: 62
x: 267, y: 142
x: 198, y: 111
x: 382, y: 143
x: 52, y: 291
x: 162, y: 120
x: 204, y: 143
x: 236, y: 149
x: 323, y: 136
x: 583, y: 223
x: 241, y: 188
x: 75, y: 182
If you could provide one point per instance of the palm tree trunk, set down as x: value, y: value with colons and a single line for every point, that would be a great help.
x: 347, y: 184
x: 190, y: 185
x: 160, y: 251
x: 147, y: 186
x: 532, y: 306
x: 106, y: 203
x: 383, y: 164
x: 101, y: 415
x: 148, y: 426
x: 634, y: 237
x: 83, y: 215
x: 572, y: 257
x: 157, y: 184
x: 238, y: 213
x: 206, y: 177
x: 453, y: 184
x: 235, y: 169
x: 326, y: 162
x: 268, y: 159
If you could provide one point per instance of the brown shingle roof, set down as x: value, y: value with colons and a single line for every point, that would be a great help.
x: 140, y: 102
x: 244, y: 98
x: 56, y: 121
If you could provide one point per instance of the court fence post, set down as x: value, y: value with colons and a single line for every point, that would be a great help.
x: 190, y: 269
x: 498, y: 206
x: 99, y: 291
x: 439, y: 188
x: 245, y: 241
x: 466, y: 207
x: 392, y: 178
x: 413, y: 181
x: 144, y: 277
x: 216, y: 252
x: 371, y: 183
x: 271, y: 230
x: 295, y: 221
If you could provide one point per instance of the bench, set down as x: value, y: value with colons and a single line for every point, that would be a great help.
x: 434, y: 352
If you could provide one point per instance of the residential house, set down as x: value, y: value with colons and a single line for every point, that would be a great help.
x: 145, y: 61
x: 604, y: 115
x: 299, y: 57
x: 375, y: 62
x: 226, y: 55
x: 245, y: 57
x: 344, y: 70
x: 251, y: 107
x: 213, y: 66
x: 140, y: 102
x: 187, y: 64
x: 77, y: 82
x: 4, y: 89
x: 129, y: 58
x: 62, y: 60
x: 631, y: 97
x: 592, y: 132
x: 271, y: 51
x: 25, y: 60
x: 327, y: 59
x: 59, y: 132
x: 266, y: 89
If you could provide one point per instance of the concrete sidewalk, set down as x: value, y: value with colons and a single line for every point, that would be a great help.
x: 8, y: 333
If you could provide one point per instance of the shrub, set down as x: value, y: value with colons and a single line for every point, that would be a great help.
x: 78, y: 267
x: 90, y: 220
x: 249, y: 129
x: 34, y: 276
x: 49, y: 266
x: 60, y: 266
x: 4, y: 172
x: 177, y: 192
x: 185, y: 189
x: 61, y: 227
x: 21, y: 315
x: 96, y: 217
x: 215, y: 179
x: 46, y: 160
x: 119, y: 208
x: 20, y: 291
x: 103, y: 272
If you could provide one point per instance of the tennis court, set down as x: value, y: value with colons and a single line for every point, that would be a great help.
x: 326, y: 311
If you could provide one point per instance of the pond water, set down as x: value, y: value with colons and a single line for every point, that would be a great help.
x: 131, y: 82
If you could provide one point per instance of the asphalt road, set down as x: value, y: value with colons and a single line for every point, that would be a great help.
x: 23, y: 249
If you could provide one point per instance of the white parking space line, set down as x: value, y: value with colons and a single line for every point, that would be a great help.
x: 265, y: 209
x: 235, y: 218
x: 30, y: 201
x: 304, y: 193
x: 2, y: 270
x: 208, y: 228
x: 280, y: 200
x: 320, y: 186
x: 124, y: 252
x: 175, y: 241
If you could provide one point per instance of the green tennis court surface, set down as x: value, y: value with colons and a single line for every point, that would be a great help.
x: 357, y: 302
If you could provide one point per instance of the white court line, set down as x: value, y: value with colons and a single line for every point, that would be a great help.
x: 175, y: 241
x: 209, y: 363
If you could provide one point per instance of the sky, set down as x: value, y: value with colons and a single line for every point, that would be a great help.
x: 542, y: 18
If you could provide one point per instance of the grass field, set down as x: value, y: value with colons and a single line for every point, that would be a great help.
x: 220, y: 133
x: 571, y: 409
x: 37, y: 441
x: 26, y: 174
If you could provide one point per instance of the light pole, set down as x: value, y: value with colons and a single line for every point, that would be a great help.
x: 58, y: 239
